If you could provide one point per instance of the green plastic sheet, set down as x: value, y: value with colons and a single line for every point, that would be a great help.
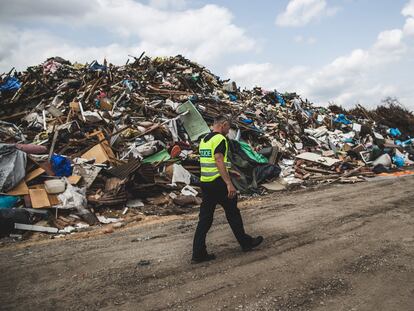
x: 252, y: 154
x: 160, y: 156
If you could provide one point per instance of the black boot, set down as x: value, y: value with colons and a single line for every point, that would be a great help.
x: 254, y: 243
x: 206, y: 257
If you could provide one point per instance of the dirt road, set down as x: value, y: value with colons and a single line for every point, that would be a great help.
x: 338, y: 248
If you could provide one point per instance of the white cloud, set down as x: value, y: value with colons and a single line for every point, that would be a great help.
x: 203, y: 34
x: 44, y: 45
x: 168, y: 4
x: 389, y: 40
x: 347, y: 79
x: 409, y: 27
x: 29, y: 9
x: 408, y: 9
x: 301, y: 12
x: 252, y: 73
x: 267, y: 75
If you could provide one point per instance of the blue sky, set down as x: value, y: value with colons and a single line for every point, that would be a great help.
x: 342, y: 51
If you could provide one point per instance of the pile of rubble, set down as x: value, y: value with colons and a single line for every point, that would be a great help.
x: 96, y: 143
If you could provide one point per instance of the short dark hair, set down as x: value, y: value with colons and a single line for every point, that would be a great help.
x: 221, y: 119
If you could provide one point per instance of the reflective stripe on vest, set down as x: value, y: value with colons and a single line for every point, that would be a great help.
x: 227, y: 164
x: 209, y: 170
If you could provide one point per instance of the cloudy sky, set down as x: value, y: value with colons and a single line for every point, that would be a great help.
x: 342, y: 51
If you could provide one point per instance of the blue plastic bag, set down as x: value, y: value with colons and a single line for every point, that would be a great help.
x: 193, y: 98
x: 232, y: 97
x: 95, y: 66
x: 342, y: 119
x: 280, y: 100
x: 398, y: 161
x: 8, y: 201
x: 61, y: 165
x: 10, y: 84
x: 246, y: 121
x: 394, y: 132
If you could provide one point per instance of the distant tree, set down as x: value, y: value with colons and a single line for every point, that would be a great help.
x: 392, y: 113
x: 391, y: 101
x: 337, y: 109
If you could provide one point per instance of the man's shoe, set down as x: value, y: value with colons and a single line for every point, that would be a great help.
x: 254, y: 243
x: 204, y: 258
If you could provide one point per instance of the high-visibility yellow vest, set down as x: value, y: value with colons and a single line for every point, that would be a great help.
x: 209, y: 170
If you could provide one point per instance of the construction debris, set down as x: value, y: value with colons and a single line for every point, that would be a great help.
x: 86, y: 141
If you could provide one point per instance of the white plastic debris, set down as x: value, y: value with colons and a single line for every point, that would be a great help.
x: 68, y: 229
x: 108, y: 220
x: 188, y: 190
x: 134, y: 203
x: 81, y: 225
x: 180, y: 174
x: 384, y: 160
x: 73, y: 197
x: 54, y: 186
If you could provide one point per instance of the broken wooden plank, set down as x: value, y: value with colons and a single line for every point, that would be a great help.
x: 20, y: 189
x: 98, y: 153
x: 33, y: 174
x: 317, y: 170
x: 313, y: 157
x: 53, y: 199
x: 44, y: 165
x: 39, y: 198
x: 74, y: 179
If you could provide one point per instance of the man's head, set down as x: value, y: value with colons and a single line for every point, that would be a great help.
x: 221, y: 125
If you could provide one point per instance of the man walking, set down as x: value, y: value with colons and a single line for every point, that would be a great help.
x: 217, y: 188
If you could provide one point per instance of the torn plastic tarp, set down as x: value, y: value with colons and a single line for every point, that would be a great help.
x: 12, y: 166
x: 161, y: 156
x: 252, y: 154
x: 10, y: 216
x: 10, y: 84
x: 252, y: 173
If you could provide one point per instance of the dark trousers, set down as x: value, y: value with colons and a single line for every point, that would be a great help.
x: 214, y: 193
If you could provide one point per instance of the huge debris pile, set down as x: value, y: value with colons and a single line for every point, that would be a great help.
x: 81, y: 141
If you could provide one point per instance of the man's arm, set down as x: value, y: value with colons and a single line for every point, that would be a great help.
x: 225, y: 175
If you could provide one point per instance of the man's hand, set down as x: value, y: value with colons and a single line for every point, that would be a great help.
x: 231, y: 191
